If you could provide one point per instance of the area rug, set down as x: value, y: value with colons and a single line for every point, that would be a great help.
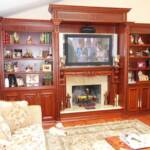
x: 92, y: 137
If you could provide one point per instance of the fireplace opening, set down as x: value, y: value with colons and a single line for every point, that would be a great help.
x: 86, y: 96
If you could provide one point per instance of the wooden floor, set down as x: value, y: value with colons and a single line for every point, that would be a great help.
x: 143, y: 117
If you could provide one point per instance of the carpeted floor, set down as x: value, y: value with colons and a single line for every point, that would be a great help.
x: 92, y: 137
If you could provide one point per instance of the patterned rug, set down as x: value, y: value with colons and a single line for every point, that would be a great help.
x: 92, y: 137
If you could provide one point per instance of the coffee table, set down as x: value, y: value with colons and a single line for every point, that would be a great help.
x: 117, y: 144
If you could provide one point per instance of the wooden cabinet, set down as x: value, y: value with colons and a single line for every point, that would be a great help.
x: 45, y: 98
x: 31, y: 50
x: 10, y: 96
x: 138, y: 98
x: 139, y: 54
x: 47, y: 101
x: 27, y: 64
x: 31, y: 97
x: 133, y: 98
x: 139, y: 67
x: 145, y: 98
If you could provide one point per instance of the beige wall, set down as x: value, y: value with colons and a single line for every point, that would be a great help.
x: 139, y: 12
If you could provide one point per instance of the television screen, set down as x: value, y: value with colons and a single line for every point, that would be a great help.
x: 88, y: 49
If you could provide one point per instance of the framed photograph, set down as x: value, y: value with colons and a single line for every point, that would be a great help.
x: 32, y: 80
x: 141, y: 64
x: 17, y: 53
x: 47, y: 68
x: 20, y: 81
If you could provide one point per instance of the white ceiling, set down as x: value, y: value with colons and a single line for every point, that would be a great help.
x: 10, y: 7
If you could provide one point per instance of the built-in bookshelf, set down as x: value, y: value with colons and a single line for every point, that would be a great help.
x: 28, y: 59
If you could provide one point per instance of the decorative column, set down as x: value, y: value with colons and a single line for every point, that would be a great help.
x: 55, y: 41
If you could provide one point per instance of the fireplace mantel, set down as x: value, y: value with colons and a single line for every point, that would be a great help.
x: 89, y: 71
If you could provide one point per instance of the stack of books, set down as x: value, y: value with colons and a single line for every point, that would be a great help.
x: 136, y: 141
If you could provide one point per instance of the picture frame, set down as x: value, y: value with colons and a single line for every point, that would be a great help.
x: 32, y: 80
x: 20, y: 81
x: 47, y: 68
x: 17, y: 53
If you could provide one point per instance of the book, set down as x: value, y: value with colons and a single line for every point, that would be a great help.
x: 136, y: 141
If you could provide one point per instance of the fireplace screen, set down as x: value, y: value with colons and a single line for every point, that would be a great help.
x: 86, y: 95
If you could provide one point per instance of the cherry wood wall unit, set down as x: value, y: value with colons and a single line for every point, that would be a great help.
x: 29, y: 44
x: 139, y: 67
x: 70, y: 19
x: 124, y: 79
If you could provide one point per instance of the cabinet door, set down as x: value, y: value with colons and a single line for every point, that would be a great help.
x: 11, y: 96
x: 31, y: 97
x: 133, y: 97
x: 144, y: 98
x: 47, y: 103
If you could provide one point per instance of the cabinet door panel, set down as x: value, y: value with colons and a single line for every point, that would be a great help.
x: 145, y: 95
x: 11, y: 96
x: 30, y: 97
x: 47, y: 103
x: 133, y: 95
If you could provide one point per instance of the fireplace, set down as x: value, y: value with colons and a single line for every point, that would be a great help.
x: 77, y: 85
x: 79, y: 99
x: 86, y: 96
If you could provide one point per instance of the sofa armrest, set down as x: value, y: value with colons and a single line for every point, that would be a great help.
x: 36, y: 114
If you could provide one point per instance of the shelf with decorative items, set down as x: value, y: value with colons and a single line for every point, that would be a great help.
x: 139, y: 58
x: 28, y: 59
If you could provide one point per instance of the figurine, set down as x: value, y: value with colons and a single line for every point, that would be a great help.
x: 62, y: 61
x: 116, y: 101
x: 116, y: 60
x: 28, y: 54
x: 142, y: 77
x: 29, y: 40
x: 16, y: 68
x: 42, y: 38
x: 106, y: 98
x: 146, y: 52
x: 131, y: 78
x: 29, y: 68
x: 131, y: 38
x: 68, y: 101
x: 140, y: 41
x: 131, y: 52
x: 16, y: 37
x: 8, y: 54
x: 136, y: 38
x: 9, y: 67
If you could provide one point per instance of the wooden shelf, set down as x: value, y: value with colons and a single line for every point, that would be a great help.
x: 89, y: 70
x: 22, y: 59
x: 37, y: 72
x: 139, y: 45
x: 138, y: 69
x: 41, y: 87
x: 138, y: 57
x: 25, y: 44
x: 139, y: 83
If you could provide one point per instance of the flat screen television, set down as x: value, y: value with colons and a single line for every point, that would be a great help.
x: 88, y: 49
